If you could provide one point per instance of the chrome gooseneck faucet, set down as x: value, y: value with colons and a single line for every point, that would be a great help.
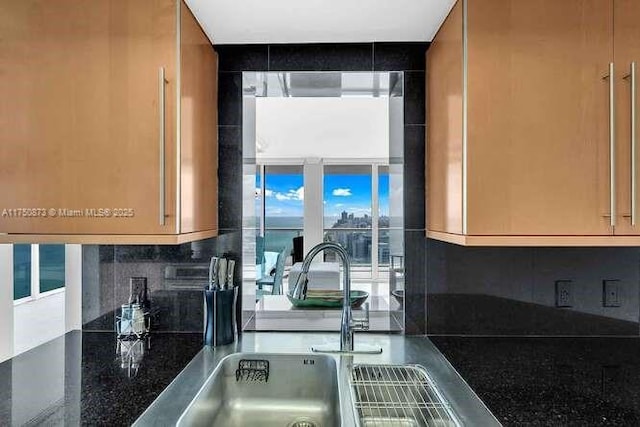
x: 347, y: 325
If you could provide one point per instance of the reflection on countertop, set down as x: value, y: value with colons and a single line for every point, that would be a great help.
x: 551, y: 381
x: 79, y: 379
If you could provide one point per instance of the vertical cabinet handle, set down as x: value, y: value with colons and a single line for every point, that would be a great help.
x: 161, y: 141
x: 634, y: 161
x: 612, y: 143
x: 634, y: 167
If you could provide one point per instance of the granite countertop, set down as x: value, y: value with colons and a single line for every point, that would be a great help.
x: 551, y: 381
x: 397, y: 349
x: 77, y: 379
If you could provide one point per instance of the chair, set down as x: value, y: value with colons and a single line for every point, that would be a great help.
x: 275, y: 281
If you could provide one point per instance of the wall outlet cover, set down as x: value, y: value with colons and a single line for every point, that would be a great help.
x: 611, y: 293
x: 564, y: 293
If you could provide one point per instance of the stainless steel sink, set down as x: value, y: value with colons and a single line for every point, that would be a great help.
x: 400, y: 396
x: 268, y: 390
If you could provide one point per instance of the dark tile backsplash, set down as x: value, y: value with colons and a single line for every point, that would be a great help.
x: 392, y: 56
x: 414, y: 98
x: 230, y: 178
x: 415, y: 291
x: 321, y: 57
x: 107, y: 269
x: 414, y: 179
x: 512, y: 291
x: 243, y: 57
x: 230, y: 99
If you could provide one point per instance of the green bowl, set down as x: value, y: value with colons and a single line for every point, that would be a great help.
x: 328, y: 298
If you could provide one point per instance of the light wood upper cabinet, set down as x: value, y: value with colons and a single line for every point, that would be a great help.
x: 86, y: 121
x: 518, y: 131
x: 627, y: 52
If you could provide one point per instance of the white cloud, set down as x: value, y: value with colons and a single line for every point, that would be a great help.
x: 342, y: 192
x: 289, y: 195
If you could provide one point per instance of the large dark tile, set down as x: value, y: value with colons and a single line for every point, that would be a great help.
x: 415, y: 282
x: 511, y: 291
x: 229, y: 245
x: 414, y: 177
x: 587, y: 268
x: 321, y: 57
x: 230, y: 98
x: 414, y: 98
x: 230, y: 178
x: 393, y: 56
x: 106, y: 287
x: 252, y: 57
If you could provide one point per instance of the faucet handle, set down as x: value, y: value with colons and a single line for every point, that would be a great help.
x: 363, y: 323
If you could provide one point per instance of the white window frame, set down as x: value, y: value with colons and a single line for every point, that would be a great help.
x: 35, y: 279
x: 313, y: 227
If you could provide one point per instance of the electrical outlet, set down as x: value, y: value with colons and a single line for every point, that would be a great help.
x: 564, y: 293
x: 611, y: 293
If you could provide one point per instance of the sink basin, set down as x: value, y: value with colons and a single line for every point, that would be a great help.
x: 268, y: 390
x: 392, y: 395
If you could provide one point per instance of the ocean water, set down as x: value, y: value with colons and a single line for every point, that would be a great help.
x: 294, y: 222
x: 277, y: 239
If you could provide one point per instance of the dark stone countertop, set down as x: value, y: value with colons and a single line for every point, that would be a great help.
x: 396, y: 349
x: 77, y: 379
x: 551, y: 381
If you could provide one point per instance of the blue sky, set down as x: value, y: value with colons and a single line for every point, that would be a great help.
x: 351, y: 193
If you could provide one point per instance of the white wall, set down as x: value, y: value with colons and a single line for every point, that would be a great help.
x: 324, y: 128
x: 6, y: 302
x: 33, y: 322
x: 38, y: 321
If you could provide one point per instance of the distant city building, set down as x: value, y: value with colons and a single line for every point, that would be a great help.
x: 358, y: 243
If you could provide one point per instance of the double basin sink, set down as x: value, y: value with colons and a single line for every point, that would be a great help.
x: 311, y: 390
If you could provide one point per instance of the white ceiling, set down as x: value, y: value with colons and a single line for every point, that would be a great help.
x: 327, y: 128
x: 319, y: 21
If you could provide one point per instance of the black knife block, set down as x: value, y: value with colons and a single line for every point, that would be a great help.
x: 220, y: 316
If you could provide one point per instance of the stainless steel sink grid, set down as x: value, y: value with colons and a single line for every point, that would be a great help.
x: 399, y: 396
x: 268, y: 390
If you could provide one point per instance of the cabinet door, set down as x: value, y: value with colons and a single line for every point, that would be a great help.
x: 143, y: 40
x: 444, y: 127
x: 199, y: 129
x: 627, y: 51
x: 80, y: 116
x: 538, y: 146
